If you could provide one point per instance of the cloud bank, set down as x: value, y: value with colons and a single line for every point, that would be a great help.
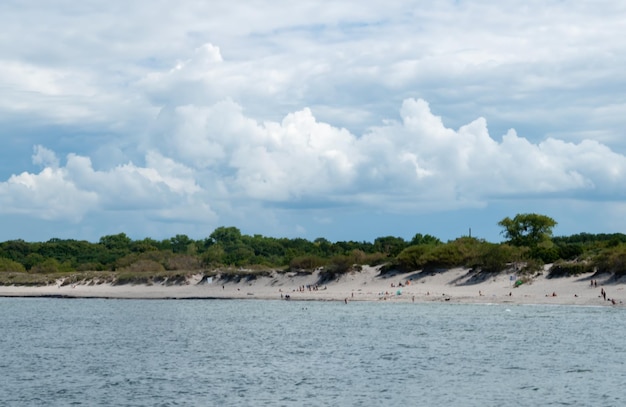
x: 202, y: 157
x: 270, y: 113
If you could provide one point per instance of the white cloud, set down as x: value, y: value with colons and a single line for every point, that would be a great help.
x: 45, y: 157
x: 46, y: 195
x: 205, y: 108
x: 69, y: 192
x: 215, y: 156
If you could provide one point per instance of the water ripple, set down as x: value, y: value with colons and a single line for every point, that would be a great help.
x: 267, y: 353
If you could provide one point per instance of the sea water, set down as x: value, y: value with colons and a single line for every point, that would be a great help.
x: 96, y: 352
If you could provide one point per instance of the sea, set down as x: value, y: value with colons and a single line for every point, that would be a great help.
x: 109, y: 352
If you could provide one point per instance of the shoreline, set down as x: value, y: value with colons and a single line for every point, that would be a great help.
x: 449, y: 286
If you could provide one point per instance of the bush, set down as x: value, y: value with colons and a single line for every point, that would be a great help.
x: 412, y: 258
x: 532, y: 266
x: 374, y: 259
x: 566, y: 269
x: 26, y: 279
x: 144, y: 266
x: 545, y: 254
x: 460, y: 252
x: 310, y: 263
x: 7, y: 265
x: 183, y: 262
x: 497, y: 257
x: 51, y: 266
x: 339, y: 264
x: 570, y: 251
x: 132, y: 278
x: 612, y: 260
x: 90, y: 267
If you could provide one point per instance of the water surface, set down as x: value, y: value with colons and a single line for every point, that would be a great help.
x: 58, y: 352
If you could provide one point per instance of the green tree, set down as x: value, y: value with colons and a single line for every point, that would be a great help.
x: 145, y: 245
x: 16, y: 250
x: 226, y: 236
x: 390, y: 245
x: 420, y: 239
x: 182, y: 244
x: 116, y: 242
x: 527, y: 229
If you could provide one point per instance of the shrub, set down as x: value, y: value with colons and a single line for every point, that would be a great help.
x: 144, y: 266
x: 339, y: 264
x: 10, y: 265
x: 412, y: 258
x: 531, y: 266
x: 460, y: 252
x: 496, y: 257
x: 612, y: 260
x: 51, y: 266
x: 566, y: 269
x: 374, y: 259
x: 183, y: 262
x: 545, y: 254
x: 132, y: 278
x: 570, y: 251
x: 310, y: 262
x: 27, y: 279
x: 90, y: 267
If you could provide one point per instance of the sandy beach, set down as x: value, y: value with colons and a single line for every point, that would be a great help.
x: 365, y: 285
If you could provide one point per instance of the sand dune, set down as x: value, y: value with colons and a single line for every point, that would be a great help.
x: 453, y: 285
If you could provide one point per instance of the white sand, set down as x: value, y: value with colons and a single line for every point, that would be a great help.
x: 365, y: 285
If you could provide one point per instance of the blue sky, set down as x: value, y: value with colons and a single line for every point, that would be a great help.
x: 343, y: 120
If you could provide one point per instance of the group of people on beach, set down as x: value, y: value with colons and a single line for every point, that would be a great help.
x: 611, y: 300
x: 594, y: 283
x: 408, y: 282
x: 308, y: 287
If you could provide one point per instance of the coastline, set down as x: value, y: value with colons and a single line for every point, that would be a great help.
x: 451, y: 286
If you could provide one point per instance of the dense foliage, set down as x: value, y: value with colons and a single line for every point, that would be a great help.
x: 529, y: 244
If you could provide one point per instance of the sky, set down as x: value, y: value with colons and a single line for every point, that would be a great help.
x: 344, y: 120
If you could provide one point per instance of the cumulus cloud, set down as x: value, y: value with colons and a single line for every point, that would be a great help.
x: 75, y: 189
x: 413, y: 162
x: 46, y: 195
x: 210, y: 108
x: 211, y: 163
x: 45, y: 157
x: 210, y: 155
x: 468, y: 164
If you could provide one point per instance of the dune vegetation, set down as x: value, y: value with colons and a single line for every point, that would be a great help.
x: 117, y: 259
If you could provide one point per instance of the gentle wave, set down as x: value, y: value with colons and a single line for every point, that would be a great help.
x: 232, y: 353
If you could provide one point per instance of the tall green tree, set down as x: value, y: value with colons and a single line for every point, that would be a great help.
x: 182, y: 244
x: 116, y: 242
x: 419, y: 239
x: 527, y: 229
x: 390, y: 245
x: 226, y: 236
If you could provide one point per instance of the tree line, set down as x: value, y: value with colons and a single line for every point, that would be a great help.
x: 528, y: 243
